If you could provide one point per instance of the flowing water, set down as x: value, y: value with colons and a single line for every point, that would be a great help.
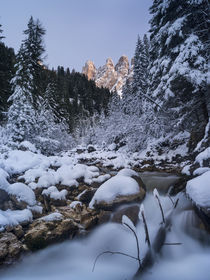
x: 73, y: 260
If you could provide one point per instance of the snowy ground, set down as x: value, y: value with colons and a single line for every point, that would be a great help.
x: 34, y: 170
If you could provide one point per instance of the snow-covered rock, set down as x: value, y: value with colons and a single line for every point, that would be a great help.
x: 49, y: 229
x: 55, y: 194
x: 198, y: 189
x: 14, y: 217
x: 119, y: 189
x: 22, y: 195
x: 52, y: 217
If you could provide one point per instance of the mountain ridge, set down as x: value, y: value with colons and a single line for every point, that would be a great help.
x: 109, y: 75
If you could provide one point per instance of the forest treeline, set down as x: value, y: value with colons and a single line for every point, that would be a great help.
x: 167, y: 99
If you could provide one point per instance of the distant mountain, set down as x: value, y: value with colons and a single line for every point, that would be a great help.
x: 110, y: 76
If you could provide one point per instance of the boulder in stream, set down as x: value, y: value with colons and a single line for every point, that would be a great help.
x: 122, y: 188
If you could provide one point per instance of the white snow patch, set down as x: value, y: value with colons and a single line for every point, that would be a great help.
x: 3, y: 179
x: 73, y: 204
x: 102, y: 178
x: 20, y: 161
x: 13, y: 218
x: 127, y: 172
x: 29, y: 146
x: 201, y: 170
x: 22, y: 193
x: 198, y: 190
x: 52, y: 217
x: 203, y: 156
x: 36, y: 208
x: 186, y: 169
x: 54, y: 193
x: 116, y: 186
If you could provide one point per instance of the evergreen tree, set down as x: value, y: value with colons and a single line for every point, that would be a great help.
x: 141, y: 63
x: 22, y: 113
x: 178, y: 69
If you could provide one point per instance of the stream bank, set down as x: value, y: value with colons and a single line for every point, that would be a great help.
x: 74, y: 259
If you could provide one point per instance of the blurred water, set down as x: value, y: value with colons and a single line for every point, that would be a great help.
x: 73, y: 260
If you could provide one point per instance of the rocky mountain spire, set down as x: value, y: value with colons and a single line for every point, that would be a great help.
x: 109, y: 76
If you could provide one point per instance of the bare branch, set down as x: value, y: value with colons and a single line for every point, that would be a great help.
x: 146, y: 229
x: 178, y: 243
x: 137, y: 243
x: 161, y: 208
x: 175, y: 205
x: 112, y: 253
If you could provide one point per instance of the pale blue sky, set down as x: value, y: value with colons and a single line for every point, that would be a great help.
x: 78, y: 30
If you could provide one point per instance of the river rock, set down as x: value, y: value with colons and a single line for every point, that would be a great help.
x: 10, y: 247
x: 112, y: 199
x: 43, y: 233
x: 131, y: 212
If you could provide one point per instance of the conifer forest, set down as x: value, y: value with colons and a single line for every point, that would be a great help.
x: 105, y: 172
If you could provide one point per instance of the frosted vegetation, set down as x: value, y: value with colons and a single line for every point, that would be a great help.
x: 57, y: 129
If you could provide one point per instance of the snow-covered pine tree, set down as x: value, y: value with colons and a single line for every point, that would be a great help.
x: 134, y: 92
x: 179, y: 65
x: 141, y: 63
x: 22, y: 114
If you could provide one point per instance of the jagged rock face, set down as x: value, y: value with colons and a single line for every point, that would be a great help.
x: 89, y: 70
x: 109, y: 76
x: 122, y: 67
x: 106, y: 75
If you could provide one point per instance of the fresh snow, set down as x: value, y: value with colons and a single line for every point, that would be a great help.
x: 186, y: 169
x: 73, y: 204
x: 118, y: 185
x: 22, y: 193
x: 203, y: 156
x: 127, y: 172
x: 13, y: 218
x: 102, y: 178
x: 20, y: 161
x: 3, y: 179
x: 198, y: 189
x: 36, y: 208
x: 201, y: 170
x: 52, y: 217
x: 54, y: 193
x: 27, y: 145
